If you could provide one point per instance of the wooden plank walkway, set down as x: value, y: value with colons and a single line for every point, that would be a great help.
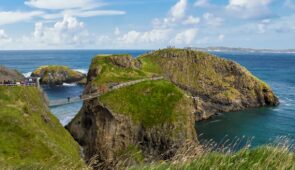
x: 60, y: 102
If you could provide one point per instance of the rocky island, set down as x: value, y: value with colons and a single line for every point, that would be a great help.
x: 57, y: 75
x: 154, y: 118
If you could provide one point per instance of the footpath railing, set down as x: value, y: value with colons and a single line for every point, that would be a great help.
x: 28, y: 84
x: 60, y: 102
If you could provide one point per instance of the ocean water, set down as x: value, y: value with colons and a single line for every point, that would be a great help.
x: 263, y: 124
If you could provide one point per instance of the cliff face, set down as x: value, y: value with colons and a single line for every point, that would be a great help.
x: 30, y: 136
x: 218, y: 85
x: 57, y: 75
x: 11, y: 75
x: 155, y: 117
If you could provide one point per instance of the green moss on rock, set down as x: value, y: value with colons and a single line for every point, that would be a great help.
x: 57, y: 75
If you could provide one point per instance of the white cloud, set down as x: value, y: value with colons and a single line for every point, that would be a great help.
x: 191, y: 20
x: 249, y: 8
x: 212, y: 20
x: 66, y: 33
x: 83, y: 14
x: 117, y: 31
x: 10, y: 17
x: 176, y: 14
x: 221, y: 37
x: 155, y: 35
x: 185, y: 38
x: 75, y: 8
x: 202, y: 3
x: 179, y: 9
x: 64, y: 4
x: 4, y: 38
x: 262, y: 27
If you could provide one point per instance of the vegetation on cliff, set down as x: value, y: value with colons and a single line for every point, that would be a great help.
x: 30, y: 136
x: 149, y: 103
x: 158, y: 117
x: 264, y: 157
x: 57, y: 75
x: 221, y: 85
x: 107, y: 69
x: 10, y: 75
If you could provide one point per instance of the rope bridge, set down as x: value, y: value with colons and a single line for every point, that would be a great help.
x: 60, y: 102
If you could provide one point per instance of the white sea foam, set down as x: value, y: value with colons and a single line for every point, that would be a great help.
x: 28, y: 74
x: 84, y: 71
x: 69, y: 85
x: 65, y: 120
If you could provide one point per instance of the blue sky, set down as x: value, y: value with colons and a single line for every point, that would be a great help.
x: 146, y: 24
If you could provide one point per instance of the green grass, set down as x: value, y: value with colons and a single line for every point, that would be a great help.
x: 109, y: 72
x: 55, y: 68
x: 30, y: 136
x: 150, y: 102
x: 205, y: 74
x: 265, y: 157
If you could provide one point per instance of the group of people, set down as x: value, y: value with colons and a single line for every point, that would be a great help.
x: 18, y: 83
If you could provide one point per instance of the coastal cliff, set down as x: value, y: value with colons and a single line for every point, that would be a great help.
x: 155, y: 118
x: 218, y: 85
x: 57, y: 75
x: 150, y: 118
x: 10, y: 75
x: 30, y: 136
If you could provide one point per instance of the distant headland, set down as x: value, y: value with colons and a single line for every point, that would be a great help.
x: 237, y: 49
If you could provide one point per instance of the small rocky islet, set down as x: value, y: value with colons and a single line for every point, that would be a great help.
x: 57, y: 75
x: 146, y: 122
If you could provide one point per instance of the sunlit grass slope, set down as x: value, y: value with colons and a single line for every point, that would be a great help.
x: 30, y: 136
x: 262, y: 158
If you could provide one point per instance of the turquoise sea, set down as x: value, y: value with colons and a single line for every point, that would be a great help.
x: 263, y: 124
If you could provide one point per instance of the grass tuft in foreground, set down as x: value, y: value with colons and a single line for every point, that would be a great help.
x: 279, y: 156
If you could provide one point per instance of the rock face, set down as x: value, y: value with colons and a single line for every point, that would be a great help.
x: 57, y: 75
x: 157, y: 117
x: 10, y: 75
x: 153, y: 116
x: 218, y: 85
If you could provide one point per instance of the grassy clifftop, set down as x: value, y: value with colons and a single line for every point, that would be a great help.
x: 150, y: 102
x: 106, y: 69
x: 30, y: 136
x: 220, y: 84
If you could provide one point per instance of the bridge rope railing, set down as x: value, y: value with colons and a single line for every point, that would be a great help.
x: 60, y: 102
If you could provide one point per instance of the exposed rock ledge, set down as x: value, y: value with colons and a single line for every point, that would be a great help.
x: 10, y: 75
x: 157, y: 117
x: 57, y: 75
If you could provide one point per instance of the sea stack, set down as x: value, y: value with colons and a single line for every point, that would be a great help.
x: 57, y: 75
x: 156, y: 117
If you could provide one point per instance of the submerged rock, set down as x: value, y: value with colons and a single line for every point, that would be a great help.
x: 157, y: 117
x: 57, y: 75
